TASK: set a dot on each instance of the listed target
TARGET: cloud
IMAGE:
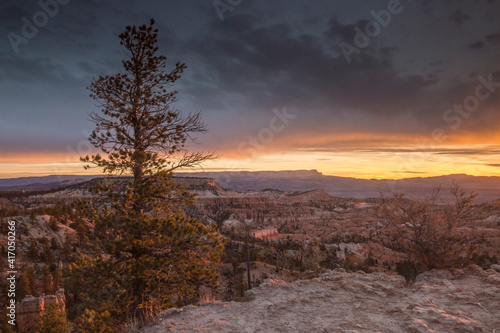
(476, 45)
(37, 70)
(410, 172)
(342, 32)
(270, 65)
(260, 58)
(458, 17)
(470, 152)
(12, 13)
(493, 38)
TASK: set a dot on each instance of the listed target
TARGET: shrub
(355, 263)
(52, 321)
(53, 225)
(430, 233)
(92, 321)
(407, 269)
(484, 260)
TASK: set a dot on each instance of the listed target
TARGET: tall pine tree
(149, 253)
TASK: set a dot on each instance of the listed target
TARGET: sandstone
(32, 307)
(352, 302)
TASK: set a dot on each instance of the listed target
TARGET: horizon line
(250, 171)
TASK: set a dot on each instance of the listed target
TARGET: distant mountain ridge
(43, 182)
(488, 188)
(299, 180)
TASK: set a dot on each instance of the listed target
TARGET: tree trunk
(248, 263)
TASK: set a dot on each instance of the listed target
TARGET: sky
(365, 89)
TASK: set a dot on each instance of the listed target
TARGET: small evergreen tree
(82, 230)
(92, 321)
(53, 225)
(25, 287)
(48, 280)
(153, 253)
(67, 247)
(31, 279)
(33, 251)
(47, 254)
(51, 321)
(53, 244)
(58, 274)
(76, 278)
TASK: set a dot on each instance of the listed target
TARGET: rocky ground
(439, 301)
(337, 301)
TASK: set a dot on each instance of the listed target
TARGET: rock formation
(31, 307)
(266, 233)
(465, 301)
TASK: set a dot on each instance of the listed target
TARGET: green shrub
(92, 321)
(407, 269)
(52, 321)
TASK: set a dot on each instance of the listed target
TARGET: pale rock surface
(32, 307)
(462, 301)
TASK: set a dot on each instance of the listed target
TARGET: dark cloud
(458, 17)
(477, 45)
(12, 13)
(39, 70)
(267, 55)
(342, 32)
(493, 38)
(274, 66)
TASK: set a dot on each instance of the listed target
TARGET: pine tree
(53, 224)
(67, 248)
(47, 254)
(92, 321)
(154, 253)
(53, 244)
(33, 251)
(24, 286)
(76, 278)
(48, 280)
(57, 279)
(31, 277)
(82, 231)
(52, 321)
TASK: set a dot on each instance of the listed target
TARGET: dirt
(439, 301)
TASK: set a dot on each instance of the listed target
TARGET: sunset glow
(304, 89)
(390, 163)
